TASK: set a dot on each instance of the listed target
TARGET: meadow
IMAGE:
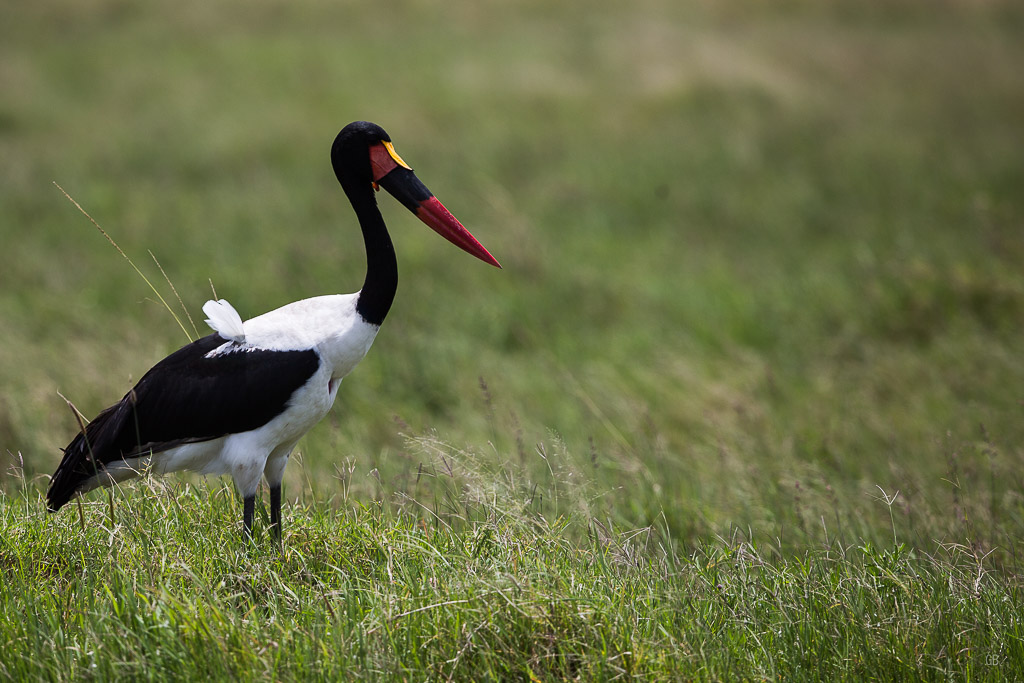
(746, 401)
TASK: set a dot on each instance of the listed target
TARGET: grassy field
(746, 401)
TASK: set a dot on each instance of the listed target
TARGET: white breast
(329, 324)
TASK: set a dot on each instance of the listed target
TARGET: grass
(744, 403)
(476, 578)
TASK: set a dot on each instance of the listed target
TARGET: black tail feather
(87, 453)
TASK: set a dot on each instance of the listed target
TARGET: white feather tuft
(225, 320)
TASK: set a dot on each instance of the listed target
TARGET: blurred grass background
(760, 259)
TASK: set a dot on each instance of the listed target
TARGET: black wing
(186, 397)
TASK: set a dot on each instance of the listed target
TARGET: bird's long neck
(381, 282)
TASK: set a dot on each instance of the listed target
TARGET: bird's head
(363, 157)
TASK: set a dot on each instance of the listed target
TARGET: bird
(238, 400)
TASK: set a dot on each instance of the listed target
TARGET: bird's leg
(275, 512)
(248, 508)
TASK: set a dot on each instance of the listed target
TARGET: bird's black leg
(275, 512)
(248, 508)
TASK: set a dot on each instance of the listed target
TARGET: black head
(350, 153)
(364, 159)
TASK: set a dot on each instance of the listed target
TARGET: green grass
(476, 576)
(745, 402)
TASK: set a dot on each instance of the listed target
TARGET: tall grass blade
(127, 258)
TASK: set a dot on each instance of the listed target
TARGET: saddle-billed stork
(238, 400)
